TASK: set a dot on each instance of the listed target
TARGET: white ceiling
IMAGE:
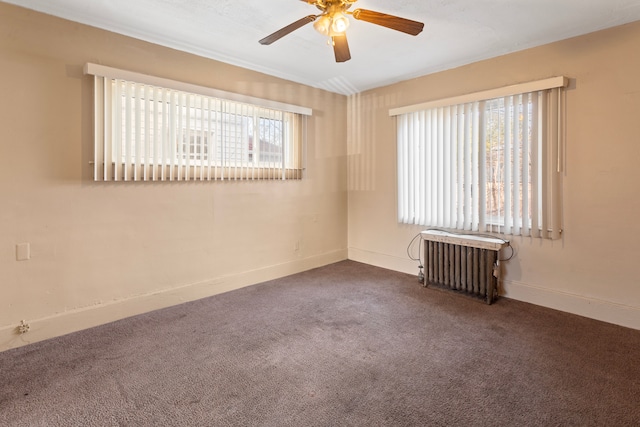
(457, 32)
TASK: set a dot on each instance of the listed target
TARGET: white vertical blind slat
(517, 164)
(480, 167)
(468, 169)
(404, 160)
(164, 134)
(99, 162)
(439, 167)
(433, 170)
(508, 147)
(173, 135)
(526, 170)
(244, 147)
(210, 137)
(255, 144)
(188, 139)
(264, 136)
(557, 188)
(544, 174)
(446, 173)
(429, 166)
(224, 135)
(179, 141)
(217, 126)
(494, 156)
(108, 128)
(155, 164)
(146, 164)
(410, 177)
(272, 142)
(402, 170)
(461, 162)
(233, 165)
(231, 142)
(117, 131)
(137, 143)
(128, 132)
(535, 165)
(283, 132)
(301, 123)
(554, 164)
(421, 172)
(294, 129)
(418, 176)
(419, 121)
(203, 122)
(453, 214)
(502, 139)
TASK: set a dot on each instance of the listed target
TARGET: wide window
(149, 129)
(486, 162)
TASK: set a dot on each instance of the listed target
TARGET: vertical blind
(144, 132)
(487, 165)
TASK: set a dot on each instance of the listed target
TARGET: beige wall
(593, 270)
(102, 251)
(105, 251)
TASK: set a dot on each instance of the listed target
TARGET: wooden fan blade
(341, 48)
(394, 22)
(288, 29)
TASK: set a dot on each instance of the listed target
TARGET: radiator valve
(420, 274)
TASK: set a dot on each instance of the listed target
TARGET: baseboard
(606, 311)
(86, 317)
(390, 262)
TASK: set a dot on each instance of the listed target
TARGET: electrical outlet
(24, 327)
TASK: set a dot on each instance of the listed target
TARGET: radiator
(463, 263)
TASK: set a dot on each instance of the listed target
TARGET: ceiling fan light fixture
(340, 23)
(323, 25)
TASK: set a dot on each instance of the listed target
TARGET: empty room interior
(261, 251)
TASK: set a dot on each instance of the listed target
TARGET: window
(487, 162)
(149, 129)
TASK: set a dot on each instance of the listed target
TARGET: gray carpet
(343, 345)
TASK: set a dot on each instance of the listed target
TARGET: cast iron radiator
(464, 263)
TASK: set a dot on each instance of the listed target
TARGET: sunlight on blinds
(486, 165)
(150, 133)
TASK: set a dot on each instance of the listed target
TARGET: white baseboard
(390, 262)
(606, 311)
(86, 317)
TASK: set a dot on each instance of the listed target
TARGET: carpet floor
(343, 345)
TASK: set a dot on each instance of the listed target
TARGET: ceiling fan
(333, 22)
